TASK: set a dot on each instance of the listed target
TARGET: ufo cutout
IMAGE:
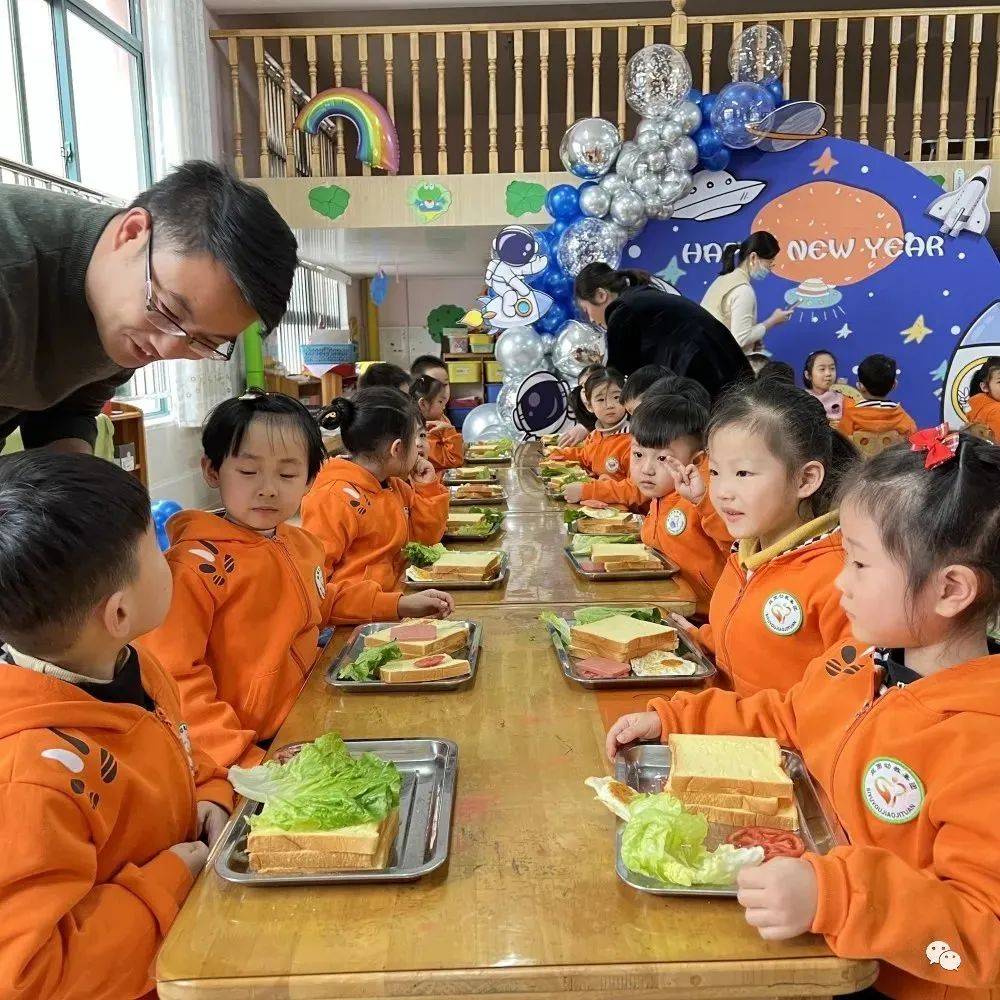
(813, 293)
(715, 194)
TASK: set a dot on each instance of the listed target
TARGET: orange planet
(832, 231)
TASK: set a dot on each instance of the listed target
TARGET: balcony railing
(14, 172)
(920, 83)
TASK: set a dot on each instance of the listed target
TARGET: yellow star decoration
(916, 332)
(825, 163)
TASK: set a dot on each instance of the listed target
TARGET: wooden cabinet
(130, 440)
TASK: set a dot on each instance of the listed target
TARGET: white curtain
(197, 386)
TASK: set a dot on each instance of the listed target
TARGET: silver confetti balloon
(587, 241)
(589, 148)
(657, 79)
(657, 160)
(627, 209)
(670, 131)
(577, 345)
(757, 55)
(688, 116)
(683, 154)
(520, 351)
(595, 201)
(613, 183)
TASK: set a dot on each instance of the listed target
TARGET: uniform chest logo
(782, 613)
(892, 792)
(675, 522)
(320, 583)
(612, 464)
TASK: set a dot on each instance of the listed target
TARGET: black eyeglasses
(164, 321)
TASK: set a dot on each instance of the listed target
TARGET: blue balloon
(708, 141)
(695, 96)
(563, 202)
(560, 287)
(557, 229)
(553, 318)
(777, 91)
(738, 107)
(706, 104)
(718, 160)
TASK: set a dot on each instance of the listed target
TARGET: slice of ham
(412, 633)
(594, 667)
(595, 504)
(591, 567)
(430, 661)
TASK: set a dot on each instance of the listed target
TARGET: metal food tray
(645, 767)
(426, 798)
(451, 536)
(355, 647)
(496, 581)
(633, 527)
(687, 647)
(499, 460)
(451, 479)
(476, 501)
(669, 569)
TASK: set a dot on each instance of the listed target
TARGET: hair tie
(940, 443)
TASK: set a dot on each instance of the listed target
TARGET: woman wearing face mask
(649, 326)
(731, 298)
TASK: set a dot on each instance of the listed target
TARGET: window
(149, 390)
(71, 87)
(317, 299)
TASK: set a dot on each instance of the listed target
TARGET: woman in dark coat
(646, 325)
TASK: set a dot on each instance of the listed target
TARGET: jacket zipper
(302, 595)
(186, 760)
(866, 709)
(744, 587)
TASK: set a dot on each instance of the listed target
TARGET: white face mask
(757, 270)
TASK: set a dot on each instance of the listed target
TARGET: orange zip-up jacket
(617, 492)
(984, 409)
(773, 611)
(912, 774)
(240, 637)
(364, 525)
(445, 448)
(877, 416)
(604, 452)
(93, 795)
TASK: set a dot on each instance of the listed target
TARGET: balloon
(520, 350)
(589, 147)
(627, 209)
(560, 287)
(577, 345)
(708, 141)
(557, 229)
(757, 54)
(617, 233)
(657, 79)
(777, 91)
(706, 104)
(718, 160)
(648, 140)
(587, 241)
(647, 187)
(562, 202)
(656, 160)
(739, 106)
(670, 131)
(478, 421)
(688, 116)
(507, 399)
(674, 184)
(612, 183)
(162, 511)
(554, 317)
(695, 95)
(647, 125)
(663, 212)
(683, 154)
(627, 159)
(595, 199)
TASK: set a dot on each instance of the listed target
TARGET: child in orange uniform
(364, 510)
(445, 448)
(901, 736)
(877, 414)
(775, 464)
(984, 397)
(606, 449)
(107, 808)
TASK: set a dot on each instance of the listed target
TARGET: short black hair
(780, 371)
(601, 378)
(426, 387)
(983, 374)
(372, 419)
(877, 373)
(425, 363)
(660, 420)
(70, 528)
(228, 423)
(587, 372)
(641, 379)
(680, 385)
(201, 208)
(384, 373)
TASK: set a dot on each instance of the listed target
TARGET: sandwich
(458, 521)
(549, 440)
(556, 484)
(323, 810)
(477, 491)
(475, 567)
(606, 521)
(472, 473)
(614, 557)
(476, 522)
(621, 638)
(417, 637)
(549, 468)
(437, 667)
(735, 780)
(490, 449)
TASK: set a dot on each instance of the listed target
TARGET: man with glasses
(87, 295)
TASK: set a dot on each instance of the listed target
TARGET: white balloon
(478, 422)
(657, 79)
(519, 350)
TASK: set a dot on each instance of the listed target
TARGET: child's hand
(679, 621)
(426, 604)
(574, 436)
(211, 820)
(423, 472)
(780, 897)
(573, 492)
(437, 425)
(194, 854)
(687, 480)
(629, 728)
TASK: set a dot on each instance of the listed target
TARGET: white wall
(174, 457)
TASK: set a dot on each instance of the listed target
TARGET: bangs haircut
(660, 420)
(642, 379)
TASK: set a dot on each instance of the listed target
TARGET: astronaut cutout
(512, 302)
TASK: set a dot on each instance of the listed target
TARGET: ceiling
(426, 251)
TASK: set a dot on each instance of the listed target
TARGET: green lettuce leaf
(322, 788)
(587, 616)
(582, 545)
(492, 518)
(423, 555)
(559, 625)
(571, 514)
(365, 667)
(663, 841)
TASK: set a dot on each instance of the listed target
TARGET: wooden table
(525, 491)
(528, 907)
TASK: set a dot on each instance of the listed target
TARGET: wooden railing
(921, 83)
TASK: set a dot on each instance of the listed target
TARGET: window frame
(130, 40)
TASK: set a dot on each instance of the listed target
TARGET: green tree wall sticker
(524, 197)
(441, 318)
(331, 201)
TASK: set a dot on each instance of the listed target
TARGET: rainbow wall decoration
(378, 143)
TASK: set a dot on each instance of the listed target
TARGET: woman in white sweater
(731, 298)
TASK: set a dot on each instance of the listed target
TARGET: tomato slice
(430, 661)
